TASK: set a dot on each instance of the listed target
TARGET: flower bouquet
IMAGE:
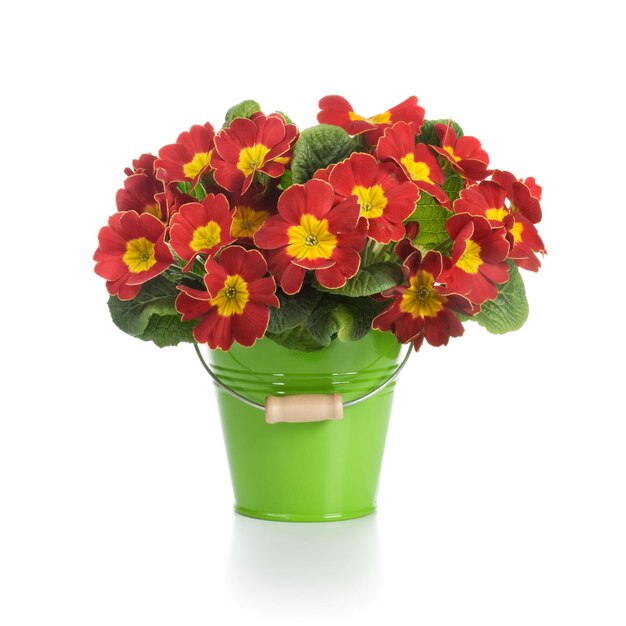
(346, 239)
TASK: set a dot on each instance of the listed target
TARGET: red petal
(433, 263)
(215, 330)
(228, 176)
(342, 178)
(456, 224)
(243, 131)
(383, 231)
(215, 276)
(249, 264)
(496, 272)
(436, 331)
(263, 291)
(313, 264)
(407, 327)
(387, 319)
(315, 197)
(273, 131)
(228, 147)
(273, 169)
(468, 147)
(344, 216)
(348, 261)
(272, 234)
(292, 279)
(354, 238)
(190, 308)
(251, 325)
(123, 292)
(331, 278)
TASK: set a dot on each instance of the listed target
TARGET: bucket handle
(272, 415)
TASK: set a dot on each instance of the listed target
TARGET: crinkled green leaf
(247, 108)
(286, 180)
(321, 324)
(432, 218)
(168, 330)
(369, 280)
(428, 134)
(333, 317)
(318, 147)
(298, 338)
(347, 319)
(355, 320)
(509, 311)
(453, 186)
(152, 316)
(293, 309)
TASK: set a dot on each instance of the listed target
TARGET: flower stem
(376, 252)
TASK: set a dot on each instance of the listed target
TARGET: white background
(503, 492)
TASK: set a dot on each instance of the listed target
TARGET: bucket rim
(257, 405)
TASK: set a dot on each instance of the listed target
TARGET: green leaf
(509, 310)
(321, 324)
(453, 186)
(168, 330)
(347, 319)
(293, 309)
(198, 193)
(429, 135)
(286, 180)
(432, 218)
(298, 338)
(318, 147)
(152, 316)
(368, 281)
(355, 320)
(247, 108)
(333, 317)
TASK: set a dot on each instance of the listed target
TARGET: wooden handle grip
(304, 408)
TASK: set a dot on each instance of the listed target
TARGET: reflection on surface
(278, 564)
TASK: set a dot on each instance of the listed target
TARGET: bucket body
(315, 471)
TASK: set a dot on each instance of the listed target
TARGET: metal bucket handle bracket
(301, 408)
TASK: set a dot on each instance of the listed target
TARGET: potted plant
(304, 260)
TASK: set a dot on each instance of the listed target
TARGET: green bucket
(315, 471)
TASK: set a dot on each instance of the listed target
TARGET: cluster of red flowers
(219, 208)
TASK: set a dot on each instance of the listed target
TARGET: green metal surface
(311, 472)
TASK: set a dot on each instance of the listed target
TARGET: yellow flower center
(470, 260)
(496, 214)
(517, 230)
(421, 298)
(246, 221)
(372, 200)
(153, 209)
(450, 151)
(232, 298)
(417, 170)
(139, 255)
(380, 118)
(205, 237)
(311, 239)
(252, 158)
(197, 164)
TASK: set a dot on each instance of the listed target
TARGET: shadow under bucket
(313, 471)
